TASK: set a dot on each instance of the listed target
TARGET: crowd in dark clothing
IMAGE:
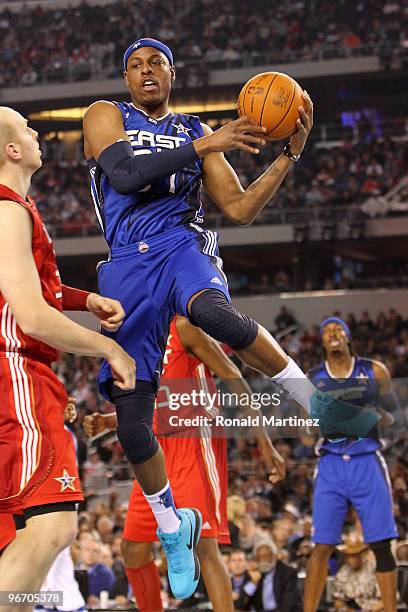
(40, 44)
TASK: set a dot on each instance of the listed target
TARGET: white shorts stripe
(22, 397)
(385, 469)
(208, 451)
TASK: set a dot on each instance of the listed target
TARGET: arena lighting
(74, 114)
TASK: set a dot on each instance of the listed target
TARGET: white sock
(296, 384)
(164, 509)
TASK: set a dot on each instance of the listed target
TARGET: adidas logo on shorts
(216, 280)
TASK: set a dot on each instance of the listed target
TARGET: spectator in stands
(94, 469)
(249, 534)
(302, 556)
(283, 33)
(235, 512)
(284, 319)
(272, 584)
(282, 530)
(237, 567)
(100, 576)
(355, 583)
(105, 529)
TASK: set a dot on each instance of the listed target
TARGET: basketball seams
(266, 97)
(243, 99)
(287, 110)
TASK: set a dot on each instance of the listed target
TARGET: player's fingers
(125, 386)
(304, 118)
(111, 327)
(251, 139)
(245, 120)
(253, 127)
(307, 100)
(247, 148)
(106, 305)
(117, 312)
(300, 127)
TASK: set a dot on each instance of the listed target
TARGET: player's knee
(136, 554)
(214, 315)
(52, 531)
(135, 421)
(385, 561)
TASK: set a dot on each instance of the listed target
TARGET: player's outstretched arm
(21, 287)
(208, 351)
(107, 142)
(222, 184)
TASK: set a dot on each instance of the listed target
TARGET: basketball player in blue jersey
(147, 166)
(352, 471)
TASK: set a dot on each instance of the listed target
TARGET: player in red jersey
(196, 466)
(7, 522)
(38, 474)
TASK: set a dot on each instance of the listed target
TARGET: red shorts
(197, 471)
(37, 454)
(7, 530)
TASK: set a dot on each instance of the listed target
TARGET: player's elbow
(30, 325)
(126, 184)
(240, 217)
(32, 322)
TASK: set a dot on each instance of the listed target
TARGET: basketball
(272, 99)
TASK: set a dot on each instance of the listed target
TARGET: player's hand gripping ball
(272, 100)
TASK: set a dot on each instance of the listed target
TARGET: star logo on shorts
(181, 129)
(66, 481)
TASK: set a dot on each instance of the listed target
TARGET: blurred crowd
(336, 176)
(39, 44)
(324, 178)
(270, 526)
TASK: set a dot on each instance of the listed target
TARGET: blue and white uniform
(160, 253)
(351, 472)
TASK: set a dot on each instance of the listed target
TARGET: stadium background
(333, 240)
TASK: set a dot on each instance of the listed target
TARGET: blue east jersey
(351, 472)
(160, 253)
(360, 388)
(166, 203)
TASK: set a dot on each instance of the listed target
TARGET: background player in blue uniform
(352, 471)
(147, 165)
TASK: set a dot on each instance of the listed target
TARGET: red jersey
(12, 339)
(178, 364)
(182, 374)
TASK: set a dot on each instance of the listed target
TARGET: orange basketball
(272, 99)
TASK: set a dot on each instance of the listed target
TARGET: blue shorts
(155, 279)
(361, 481)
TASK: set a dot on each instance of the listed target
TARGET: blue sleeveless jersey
(359, 388)
(165, 204)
